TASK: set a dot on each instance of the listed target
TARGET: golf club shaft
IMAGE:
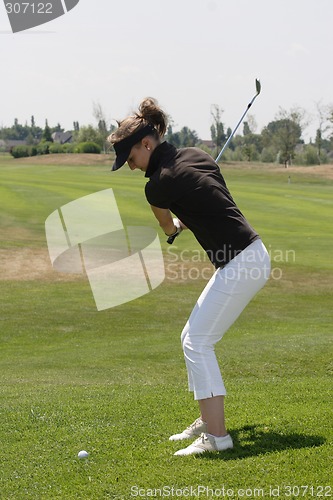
(258, 87)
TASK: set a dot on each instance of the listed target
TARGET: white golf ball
(82, 454)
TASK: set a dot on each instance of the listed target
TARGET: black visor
(123, 148)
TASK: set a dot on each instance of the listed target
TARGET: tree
(173, 138)
(249, 144)
(246, 129)
(252, 146)
(217, 128)
(330, 118)
(183, 139)
(89, 134)
(30, 139)
(18, 131)
(188, 137)
(57, 128)
(330, 115)
(323, 114)
(319, 144)
(46, 135)
(285, 133)
(250, 126)
(104, 129)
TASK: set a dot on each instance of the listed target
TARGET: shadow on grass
(254, 440)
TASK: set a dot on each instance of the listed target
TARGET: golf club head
(258, 89)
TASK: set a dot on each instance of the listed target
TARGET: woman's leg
(212, 412)
(222, 301)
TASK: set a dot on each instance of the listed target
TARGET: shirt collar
(159, 157)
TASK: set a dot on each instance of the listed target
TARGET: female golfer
(187, 183)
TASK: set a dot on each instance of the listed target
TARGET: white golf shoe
(207, 442)
(192, 430)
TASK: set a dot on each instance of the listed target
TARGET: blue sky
(189, 54)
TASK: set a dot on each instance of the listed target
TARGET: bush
(88, 147)
(234, 155)
(43, 148)
(268, 155)
(309, 156)
(55, 148)
(68, 148)
(90, 134)
(249, 151)
(20, 151)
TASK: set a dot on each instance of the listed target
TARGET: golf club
(258, 88)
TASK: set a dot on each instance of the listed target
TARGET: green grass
(114, 382)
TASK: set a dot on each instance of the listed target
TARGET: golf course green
(114, 382)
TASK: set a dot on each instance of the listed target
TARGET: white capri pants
(225, 296)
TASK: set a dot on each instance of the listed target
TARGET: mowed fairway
(114, 382)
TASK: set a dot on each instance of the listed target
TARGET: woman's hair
(149, 112)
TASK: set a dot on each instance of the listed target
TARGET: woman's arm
(165, 220)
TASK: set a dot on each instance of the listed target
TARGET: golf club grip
(171, 238)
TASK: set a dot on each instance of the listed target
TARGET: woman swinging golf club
(187, 183)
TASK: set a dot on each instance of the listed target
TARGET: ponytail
(149, 112)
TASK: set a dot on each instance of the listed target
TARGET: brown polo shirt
(189, 183)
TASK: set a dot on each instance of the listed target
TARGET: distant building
(62, 137)
(8, 144)
(209, 144)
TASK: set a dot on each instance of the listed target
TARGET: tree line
(280, 141)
